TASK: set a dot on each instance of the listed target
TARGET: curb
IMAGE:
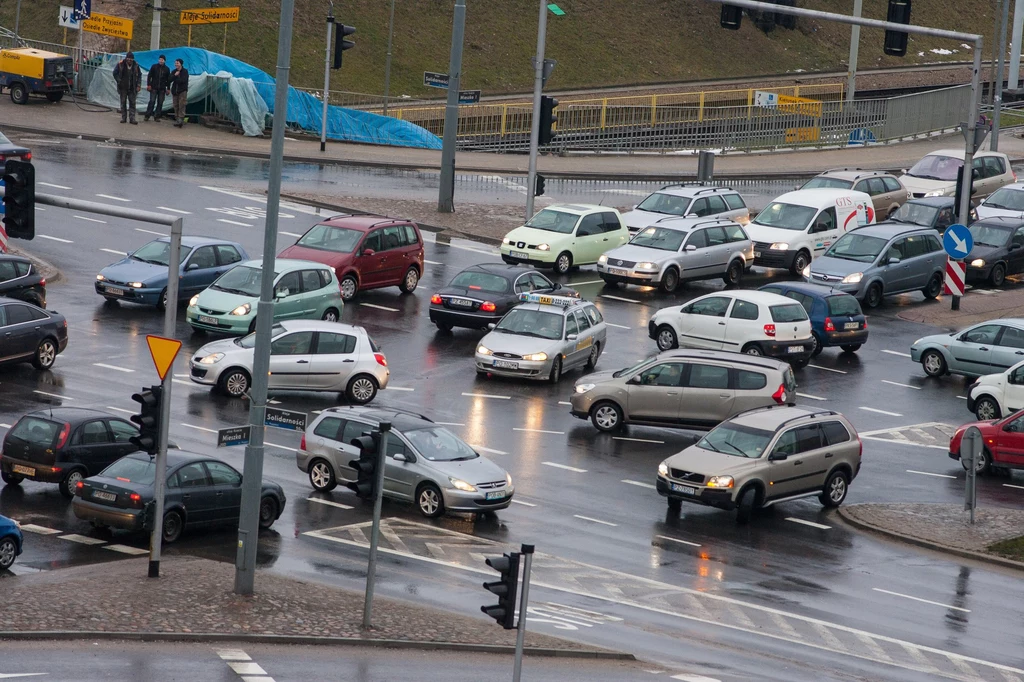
(51, 273)
(68, 635)
(928, 544)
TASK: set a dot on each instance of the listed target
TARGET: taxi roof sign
(544, 299)
(163, 352)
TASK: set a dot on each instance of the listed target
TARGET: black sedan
(482, 294)
(19, 279)
(9, 150)
(30, 334)
(998, 250)
(201, 491)
(935, 212)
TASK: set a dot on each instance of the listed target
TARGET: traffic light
(896, 41)
(20, 199)
(539, 190)
(547, 119)
(505, 610)
(365, 485)
(732, 16)
(148, 419)
(340, 44)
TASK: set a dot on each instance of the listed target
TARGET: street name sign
(233, 435)
(285, 419)
(108, 25)
(209, 15)
(432, 79)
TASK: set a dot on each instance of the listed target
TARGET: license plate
(851, 325)
(519, 254)
(618, 271)
(114, 291)
(795, 349)
(505, 364)
(461, 302)
(684, 489)
(100, 495)
(496, 495)
(27, 471)
(205, 319)
(757, 254)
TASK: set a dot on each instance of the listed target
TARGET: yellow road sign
(108, 25)
(163, 351)
(209, 15)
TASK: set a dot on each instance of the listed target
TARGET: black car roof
(175, 457)
(934, 201)
(505, 269)
(12, 257)
(72, 415)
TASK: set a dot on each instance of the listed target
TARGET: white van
(800, 225)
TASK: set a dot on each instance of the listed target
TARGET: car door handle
(722, 323)
(798, 462)
(671, 393)
(1020, 352)
(302, 362)
(348, 360)
(983, 348)
(220, 493)
(828, 454)
(186, 496)
(723, 396)
(605, 239)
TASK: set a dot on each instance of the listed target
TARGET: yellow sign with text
(800, 105)
(108, 25)
(209, 15)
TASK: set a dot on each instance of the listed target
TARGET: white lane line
(525, 504)
(174, 210)
(564, 402)
(896, 352)
(962, 397)
(905, 442)
(812, 524)
(91, 220)
(432, 262)
(113, 367)
(125, 549)
(617, 326)
(603, 523)
(198, 428)
(5, 426)
(638, 440)
(640, 484)
(682, 542)
(289, 234)
(686, 677)
(592, 281)
(115, 252)
(53, 395)
(487, 450)
(400, 388)
(113, 198)
(50, 184)
(380, 307)
(120, 409)
(159, 234)
(621, 298)
(233, 655)
(41, 530)
(233, 222)
(928, 473)
(827, 369)
(871, 409)
(183, 375)
(39, 209)
(1005, 485)
(553, 433)
(283, 447)
(488, 395)
(564, 466)
(246, 668)
(55, 239)
(896, 383)
(339, 505)
(81, 539)
(186, 383)
(809, 396)
(923, 601)
(450, 423)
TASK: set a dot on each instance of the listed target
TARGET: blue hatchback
(141, 277)
(836, 317)
(10, 542)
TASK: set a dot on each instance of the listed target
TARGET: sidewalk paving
(974, 307)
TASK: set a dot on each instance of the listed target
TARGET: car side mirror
(192, 266)
(893, 261)
(491, 326)
(1014, 247)
(557, 286)
(635, 380)
(634, 207)
(401, 457)
(571, 337)
(281, 293)
(368, 252)
(690, 247)
(777, 457)
(691, 215)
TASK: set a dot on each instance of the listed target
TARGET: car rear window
(481, 281)
(843, 305)
(835, 433)
(788, 313)
(131, 470)
(735, 201)
(825, 182)
(36, 430)
(750, 381)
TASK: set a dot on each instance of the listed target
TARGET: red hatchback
(1003, 441)
(366, 252)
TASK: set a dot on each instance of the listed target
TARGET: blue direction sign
(957, 241)
(285, 419)
(435, 80)
(83, 9)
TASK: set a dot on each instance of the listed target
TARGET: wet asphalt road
(775, 598)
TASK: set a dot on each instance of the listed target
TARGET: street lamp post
(327, 78)
(446, 187)
(387, 61)
(538, 86)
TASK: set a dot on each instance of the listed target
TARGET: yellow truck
(26, 71)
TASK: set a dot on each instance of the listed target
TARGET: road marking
(621, 298)
(896, 383)
(55, 239)
(380, 307)
(904, 442)
(617, 326)
(686, 677)
(896, 352)
(81, 539)
(638, 440)
(115, 252)
(923, 601)
(233, 655)
(564, 402)
(246, 668)
(640, 484)
(592, 281)
(587, 518)
(113, 367)
(682, 542)
(186, 383)
(1005, 485)
(113, 198)
(41, 530)
(809, 396)
(53, 395)
(450, 423)
(159, 234)
(400, 388)
(525, 504)
(174, 210)
(827, 369)
(871, 409)
(488, 395)
(125, 549)
(432, 262)
(812, 524)
(233, 222)
(198, 428)
(564, 466)
(928, 473)
(290, 234)
(120, 409)
(5, 426)
(962, 397)
(283, 447)
(487, 450)
(339, 505)
(553, 433)
(50, 184)
(91, 220)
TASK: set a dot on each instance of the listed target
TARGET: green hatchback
(303, 290)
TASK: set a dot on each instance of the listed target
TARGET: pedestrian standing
(128, 77)
(158, 83)
(179, 91)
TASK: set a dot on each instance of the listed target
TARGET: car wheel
(8, 550)
(349, 287)
(611, 282)
(330, 315)
(670, 280)
(675, 505)
(196, 331)
(752, 349)
(443, 326)
(595, 351)
(361, 389)
(982, 466)
(933, 363)
(986, 408)
(606, 416)
(11, 479)
(46, 354)
(268, 512)
(873, 298)
(19, 94)
(802, 260)
(111, 301)
(173, 526)
(817, 346)
(69, 484)
(666, 338)
(799, 364)
(55, 96)
(850, 347)
(321, 476)
(429, 501)
(563, 263)
(998, 275)
(410, 281)
(733, 274)
(556, 370)
(234, 382)
(745, 505)
(834, 492)
(161, 303)
(934, 287)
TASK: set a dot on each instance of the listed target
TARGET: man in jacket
(179, 91)
(158, 83)
(128, 77)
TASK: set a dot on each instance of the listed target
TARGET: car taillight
(436, 299)
(860, 446)
(42, 282)
(79, 485)
(63, 437)
(135, 497)
(829, 327)
(27, 156)
(381, 360)
(769, 330)
(488, 307)
(780, 395)
(302, 443)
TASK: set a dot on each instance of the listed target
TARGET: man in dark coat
(128, 77)
(179, 91)
(158, 83)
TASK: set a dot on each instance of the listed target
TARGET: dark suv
(19, 279)
(366, 252)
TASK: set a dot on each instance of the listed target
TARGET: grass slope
(598, 42)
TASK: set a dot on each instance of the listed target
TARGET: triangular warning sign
(163, 352)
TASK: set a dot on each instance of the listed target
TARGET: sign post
(970, 452)
(163, 350)
(958, 243)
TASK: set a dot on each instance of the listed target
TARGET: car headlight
(510, 241)
(602, 259)
(663, 469)
(135, 285)
(241, 310)
(779, 246)
(194, 301)
(543, 247)
(101, 278)
(978, 263)
(720, 482)
(583, 388)
(647, 266)
(806, 272)
(918, 341)
(462, 485)
(211, 359)
(536, 357)
(935, 193)
(484, 350)
(853, 278)
(508, 479)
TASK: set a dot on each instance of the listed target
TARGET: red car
(366, 252)
(1003, 443)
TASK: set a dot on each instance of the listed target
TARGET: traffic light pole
(327, 79)
(446, 186)
(371, 569)
(524, 603)
(538, 86)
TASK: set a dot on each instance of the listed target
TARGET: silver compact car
(985, 348)
(305, 355)
(426, 464)
(543, 338)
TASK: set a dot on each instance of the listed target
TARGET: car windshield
(990, 235)
(554, 221)
(630, 370)
(438, 444)
(825, 182)
(669, 204)
(132, 470)
(659, 238)
(736, 440)
(915, 214)
(480, 281)
(857, 247)
(537, 323)
(1004, 198)
(249, 340)
(793, 312)
(328, 238)
(936, 167)
(785, 216)
(241, 279)
(5, 140)
(35, 430)
(159, 253)
(843, 304)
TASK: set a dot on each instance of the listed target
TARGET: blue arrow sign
(957, 241)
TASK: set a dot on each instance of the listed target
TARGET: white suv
(752, 322)
(997, 395)
(690, 201)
